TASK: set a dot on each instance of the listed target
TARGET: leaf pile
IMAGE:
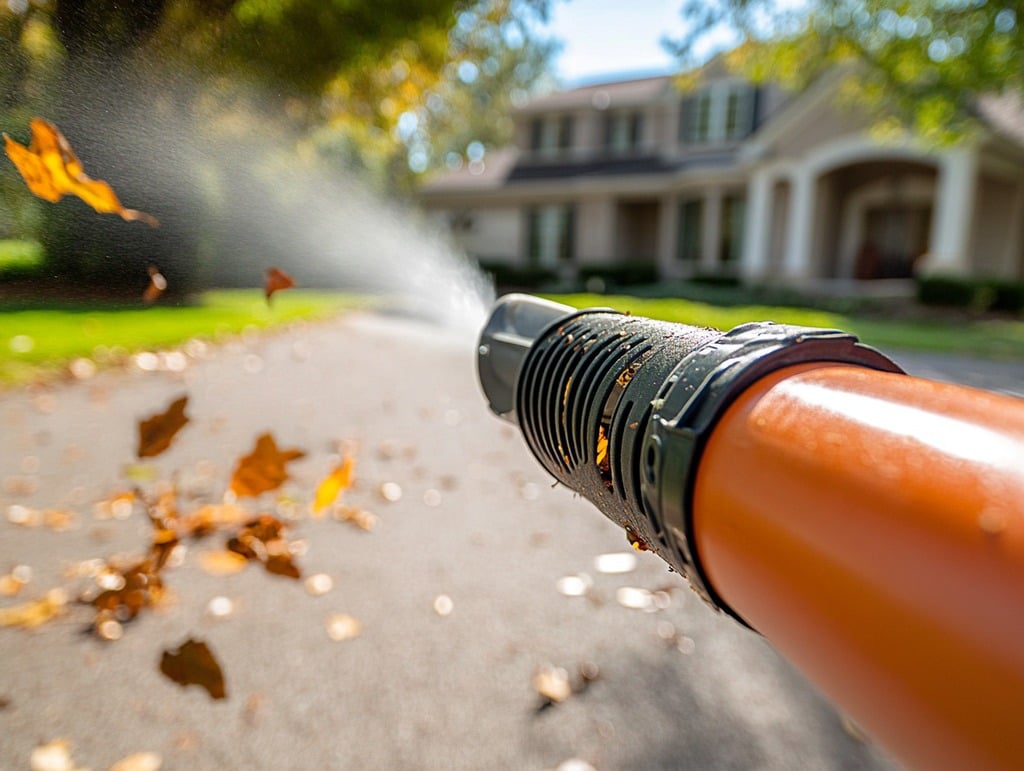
(122, 590)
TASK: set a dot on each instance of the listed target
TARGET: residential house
(733, 179)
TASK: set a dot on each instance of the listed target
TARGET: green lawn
(987, 338)
(36, 341)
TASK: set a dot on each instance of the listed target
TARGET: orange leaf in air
(194, 664)
(263, 469)
(51, 170)
(157, 285)
(334, 484)
(276, 281)
(157, 431)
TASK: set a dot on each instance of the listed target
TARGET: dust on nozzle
(515, 322)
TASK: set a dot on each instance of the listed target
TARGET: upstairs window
(720, 112)
(551, 135)
(624, 132)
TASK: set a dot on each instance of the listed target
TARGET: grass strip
(39, 341)
(986, 338)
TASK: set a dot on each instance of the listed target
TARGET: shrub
(980, 294)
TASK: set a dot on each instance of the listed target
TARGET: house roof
(624, 93)
(1004, 114)
(492, 174)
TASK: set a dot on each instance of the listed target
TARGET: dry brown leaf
(156, 287)
(158, 431)
(263, 469)
(51, 170)
(131, 589)
(333, 485)
(194, 664)
(262, 540)
(222, 563)
(276, 281)
(35, 613)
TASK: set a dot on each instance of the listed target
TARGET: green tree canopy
(923, 62)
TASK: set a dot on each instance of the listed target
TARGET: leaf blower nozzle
(869, 524)
(617, 407)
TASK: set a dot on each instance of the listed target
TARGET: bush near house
(619, 275)
(979, 294)
(20, 259)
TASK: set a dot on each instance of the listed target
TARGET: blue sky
(612, 37)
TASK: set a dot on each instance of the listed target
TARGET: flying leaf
(335, 483)
(194, 664)
(157, 431)
(263, 469)
(157, 285)
(276, 281)
(30, 615)
(51, 170)
(262, 540)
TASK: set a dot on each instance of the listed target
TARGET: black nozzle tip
(515, 322)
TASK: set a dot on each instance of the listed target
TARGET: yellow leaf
(333, 485)
(30, 615)
(222, 563)
(51, 170)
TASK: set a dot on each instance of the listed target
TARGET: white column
(668, 233)
(758, 227)
(712, 231)
(800, 228)
(949, 240)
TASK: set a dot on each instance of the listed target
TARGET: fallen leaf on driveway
(262, 540)
(222, 563)
(263, 469)
(194, 664)
(140, 761)
(158, 431)
(333, 485)
(35, 613)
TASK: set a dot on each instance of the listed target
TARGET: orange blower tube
(877, 541)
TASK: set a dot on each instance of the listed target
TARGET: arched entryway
(877, 218)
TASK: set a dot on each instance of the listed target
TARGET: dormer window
(719, 112)
(624, 132)
(551, 134)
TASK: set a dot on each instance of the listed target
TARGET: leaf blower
(869, 524)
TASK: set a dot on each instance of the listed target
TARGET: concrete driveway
(468, 514)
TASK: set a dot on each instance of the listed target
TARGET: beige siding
(595, 231)
(826, 124)
(492, 235)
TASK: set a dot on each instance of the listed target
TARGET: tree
(133, 73)
(921, 63)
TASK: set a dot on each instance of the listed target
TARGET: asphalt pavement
(462, 511)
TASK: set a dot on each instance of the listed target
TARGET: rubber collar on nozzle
(516, 321)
